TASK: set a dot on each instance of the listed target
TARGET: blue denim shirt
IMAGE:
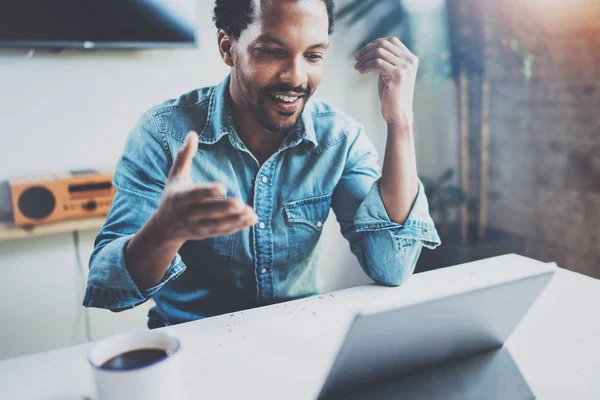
(326, 163)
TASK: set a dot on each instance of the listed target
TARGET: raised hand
(196, 211)
(397, 68)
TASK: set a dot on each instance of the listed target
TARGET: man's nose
(295, 73)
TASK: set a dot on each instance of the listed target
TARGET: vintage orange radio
(56, 197)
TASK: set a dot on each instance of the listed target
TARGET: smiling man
(230, 217)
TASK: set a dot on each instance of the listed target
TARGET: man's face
(278, 60)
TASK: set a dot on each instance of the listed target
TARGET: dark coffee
(135, 359)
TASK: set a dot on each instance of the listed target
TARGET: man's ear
(225, 47)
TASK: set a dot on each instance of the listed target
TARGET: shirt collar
(219, 121)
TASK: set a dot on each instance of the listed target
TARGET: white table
(284, 351)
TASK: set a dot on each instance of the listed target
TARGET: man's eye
(272, 52)
(314, 56)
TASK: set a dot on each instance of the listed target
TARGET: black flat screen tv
(89, 24)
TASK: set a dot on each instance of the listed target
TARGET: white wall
(73, 110)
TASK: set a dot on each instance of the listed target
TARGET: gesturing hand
(397, 68)
(193, 211)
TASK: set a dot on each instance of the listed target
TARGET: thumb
(182, 166)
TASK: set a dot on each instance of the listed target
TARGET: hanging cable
(84, 310)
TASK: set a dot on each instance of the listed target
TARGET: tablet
(386, 344)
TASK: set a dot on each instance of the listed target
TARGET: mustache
(288, 88)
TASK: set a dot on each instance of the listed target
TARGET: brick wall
(545, 146)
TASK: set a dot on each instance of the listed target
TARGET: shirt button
(261, 225)
(319, 224)
(263, 271)
(264, 179)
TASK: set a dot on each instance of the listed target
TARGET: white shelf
(10, 231)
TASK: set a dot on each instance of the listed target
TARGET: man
(229, 218)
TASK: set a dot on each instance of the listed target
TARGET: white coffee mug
(159, 380)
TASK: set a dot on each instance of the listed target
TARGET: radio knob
(90, 205)
(37, 202)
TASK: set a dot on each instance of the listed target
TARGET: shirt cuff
(372, 216)
(111, 286)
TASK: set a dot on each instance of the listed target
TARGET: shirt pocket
(305, 219)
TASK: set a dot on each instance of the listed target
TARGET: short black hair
(233, 16)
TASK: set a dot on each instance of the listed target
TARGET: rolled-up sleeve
(139, 180)
(387, 251)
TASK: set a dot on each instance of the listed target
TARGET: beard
(261, 108)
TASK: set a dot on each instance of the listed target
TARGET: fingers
(377, 65)
(388, 57)
(199, 192)
(392, 44)
(390, 52)
(223, 226)
(182, 166)
(383, 44)
(216, 208)
(378, 53)
(232, 224)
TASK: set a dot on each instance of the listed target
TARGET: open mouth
(286, 104)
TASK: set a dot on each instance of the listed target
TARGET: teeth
(287, 99)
